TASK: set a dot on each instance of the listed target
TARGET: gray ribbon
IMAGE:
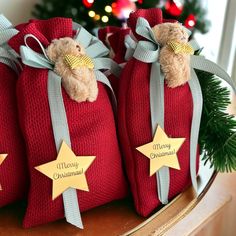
(6, 33)
(96, 50)
(195, 126)
(157, 117)
(61, 133)
(148, 52)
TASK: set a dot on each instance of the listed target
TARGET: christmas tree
(94, 13)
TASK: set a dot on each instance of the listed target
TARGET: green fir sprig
(217, 137)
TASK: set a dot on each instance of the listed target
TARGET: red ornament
(140, 1)
(88, 3)
(190, 22)
(122, 8)
(174, 7)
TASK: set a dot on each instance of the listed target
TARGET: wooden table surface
(213, 215)
(116, 218)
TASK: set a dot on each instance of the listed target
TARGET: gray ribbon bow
(96, 50)
(7, 55)
(148, 52)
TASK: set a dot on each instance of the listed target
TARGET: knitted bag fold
(134, 120)
(13, 170)
(114, 38)
(92, 132)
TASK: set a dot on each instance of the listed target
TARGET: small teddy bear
(75, 68)
(174, 54)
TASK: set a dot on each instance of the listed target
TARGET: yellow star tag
(67, 171)
(162, 151)
(2, 158)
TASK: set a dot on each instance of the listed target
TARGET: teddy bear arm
(76, 89)
(175, 68)
(93, 88)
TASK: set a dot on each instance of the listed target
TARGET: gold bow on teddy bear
(184, 48)
(74, 62)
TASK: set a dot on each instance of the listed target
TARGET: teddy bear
(175, 51)
(75, 68)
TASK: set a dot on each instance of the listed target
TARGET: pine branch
(217, 137)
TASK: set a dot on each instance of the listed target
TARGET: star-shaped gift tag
(2, 158)
(162, 151)
(67, 171)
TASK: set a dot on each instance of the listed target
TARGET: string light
(191, 23)
(108, 9)
(97, 17)
(91, 13)
(105, 19)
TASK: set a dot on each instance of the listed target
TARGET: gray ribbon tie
(6, 54)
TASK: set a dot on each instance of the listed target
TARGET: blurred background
(212, 22)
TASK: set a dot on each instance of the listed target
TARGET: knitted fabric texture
(114, 38)
(134, 120)
(92, 132)
(13, 171)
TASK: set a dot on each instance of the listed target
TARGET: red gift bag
(13, 169)
(114, 38)
(91, 127)
(134, 121)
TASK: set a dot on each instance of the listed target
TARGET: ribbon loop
(143, 29)
(4, 23)
(34, 59)
(130, 45)
(6, 35)
(146, 52)
(6, 54)
(6, 30)
(107, 64)
(83, 36)
(97, 49)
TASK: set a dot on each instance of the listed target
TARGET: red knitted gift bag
(134, 120)
(13, 170)
(114, 38)
(92, 131)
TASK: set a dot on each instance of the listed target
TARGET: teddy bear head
(167, 32)
(64, 46)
